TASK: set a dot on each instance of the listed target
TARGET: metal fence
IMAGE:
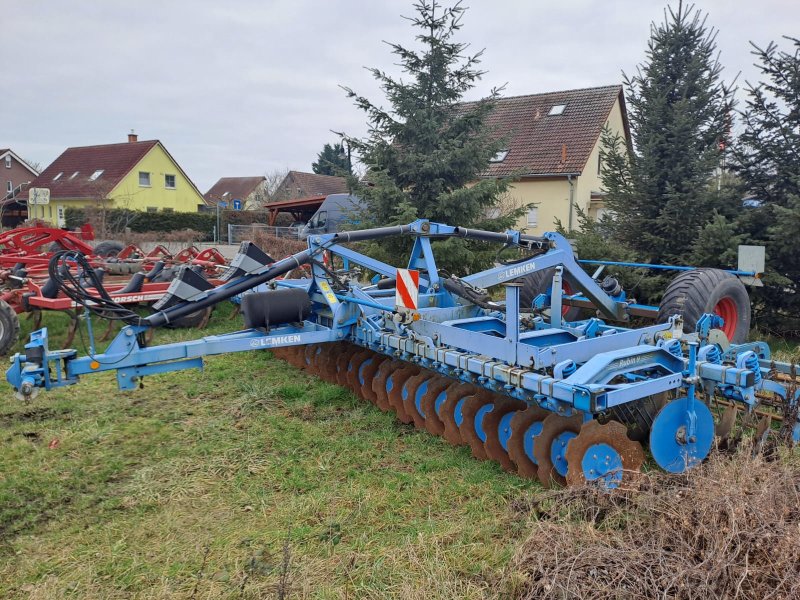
(240, 233)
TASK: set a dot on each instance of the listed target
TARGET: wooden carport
(301, 209)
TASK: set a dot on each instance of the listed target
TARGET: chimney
(132, 137)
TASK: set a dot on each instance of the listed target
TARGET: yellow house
(552, 151)
(134, 175)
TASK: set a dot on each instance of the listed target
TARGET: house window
(9, 186)
(144, 179)
(533, 216)
(96, 174)
(74, 175)
(557, 109)
(152, 209)
(57, 177)
(169, 182)
(168, 209)
(499, 157)
(8, 161)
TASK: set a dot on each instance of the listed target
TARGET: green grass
(207, 484)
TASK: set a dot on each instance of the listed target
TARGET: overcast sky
(245, 87)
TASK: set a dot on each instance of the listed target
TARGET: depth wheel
(526, 426)
(384, 382)
(414, 390)
(400, 378)
(474, 410)
(551, 447)
(498, 429)
(450, 411)
(431, 403)
(604, 454)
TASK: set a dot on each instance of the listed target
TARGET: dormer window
(96, 174)
(74, 175)
(57, 177)
(499, 157)
(557, 109)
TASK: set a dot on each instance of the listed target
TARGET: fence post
(230, 234)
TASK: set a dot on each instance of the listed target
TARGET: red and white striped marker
(407, 290)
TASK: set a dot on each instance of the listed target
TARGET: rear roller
(526, 425)
(550, 448)
(400, 378)
(474, 410)
(450, 411)
(431, 403)
(603, 453)
(497, 426)
(413, 391)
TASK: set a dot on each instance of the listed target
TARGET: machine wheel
(550, 448)
(450, 411)
(693, 293)
(198, 319)
(431, 403)
(539, 282)
(526, 425)
(497, 425)
(9, 327)
(400, 379)
(603, 454)
(108, 249)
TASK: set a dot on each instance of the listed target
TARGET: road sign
(237, 204)
(222, 204)
(39, 196)
(407, 290)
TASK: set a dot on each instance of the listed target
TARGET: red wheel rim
(726, 308)
(566, 290)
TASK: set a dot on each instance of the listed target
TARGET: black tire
(9, 327)
(108, 249)
(537, 283)
(192, 320)
(694, 293)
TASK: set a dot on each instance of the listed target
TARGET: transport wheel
(413, 391)
(367, 374)
(9, 327)
(108, 249)
(450, 411)
(603, 454)
(343, 364)
(359, 360)
(551, 446)
(474, 411)
(400, 378)
(431, 402)
(526, 425)
(384, 382)
(694, 293)
(497, 425)
(539, 282)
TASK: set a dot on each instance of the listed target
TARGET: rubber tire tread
(537, 283)
(10, 321)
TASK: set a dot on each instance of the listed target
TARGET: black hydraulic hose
(503, 238)
(371, 234)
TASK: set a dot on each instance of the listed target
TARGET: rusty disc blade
(497, 427)
(431, 401)
(359, 359)
(526, 425)
(399, 380)
(473, 411)
(550, 447)
(450, 411)
(604, 453)
(383, 378)
(415, 388)
(343, 364)
(367, 376)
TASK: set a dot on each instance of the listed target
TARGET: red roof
(297, 184)
(537, 142)
(77, 165)
(235, 188)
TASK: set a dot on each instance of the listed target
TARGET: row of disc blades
(528, 440)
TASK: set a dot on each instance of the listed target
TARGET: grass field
(247, 480)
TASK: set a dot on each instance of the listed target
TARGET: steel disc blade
(550, 447)
(327, 363)
(431, 403)
(604, 453)
(311, 357)
(415, 388)
(474, 411)
(526, 425)
(383, 382)
(450, 411)
(367, 373)
(497, 425)
(725, 425)
(400, 378)
(343, 365)
(359, 360)
(673, 446)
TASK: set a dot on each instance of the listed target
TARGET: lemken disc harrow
(564, 402)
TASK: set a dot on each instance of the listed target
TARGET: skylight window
(74, 175)
(57, 177)
(96, 174)
(557, 109)
(499, 157)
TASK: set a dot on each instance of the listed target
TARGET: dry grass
(728, 529)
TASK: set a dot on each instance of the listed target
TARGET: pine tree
(332, 160)
(424, 151)
(679, 112)
(768, 161)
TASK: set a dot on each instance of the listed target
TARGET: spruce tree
(679, 107)
(332, 160)
(426, 150)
